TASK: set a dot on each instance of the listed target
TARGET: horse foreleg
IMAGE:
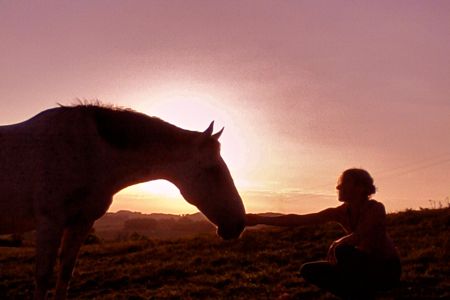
(48, 241)
(73, 238)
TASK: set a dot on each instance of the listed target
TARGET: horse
(61, 168)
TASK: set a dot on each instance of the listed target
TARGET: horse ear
(217, 135)
(208, 132)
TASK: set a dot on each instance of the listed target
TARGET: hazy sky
(305, 89)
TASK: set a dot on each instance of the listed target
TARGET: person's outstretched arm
(291, 220)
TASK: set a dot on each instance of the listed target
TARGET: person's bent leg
(325, 276)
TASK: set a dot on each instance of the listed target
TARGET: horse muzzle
(231, 231)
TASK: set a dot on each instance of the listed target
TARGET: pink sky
(305, 89)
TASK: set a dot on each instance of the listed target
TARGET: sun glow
(194, 108)
(152, 197)
(159, 188)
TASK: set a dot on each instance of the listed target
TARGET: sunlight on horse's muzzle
(231, 231)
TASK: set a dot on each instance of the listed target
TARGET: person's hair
(362, 178)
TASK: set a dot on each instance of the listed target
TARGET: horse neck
(157, 161)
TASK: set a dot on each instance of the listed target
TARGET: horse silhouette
(60, 170)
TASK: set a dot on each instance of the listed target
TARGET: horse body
(61, 169)
(45, 162)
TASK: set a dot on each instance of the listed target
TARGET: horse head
(206, 183)
(190, 160)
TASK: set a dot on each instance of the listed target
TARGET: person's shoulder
(338, 213)
(342, 208)
(376, 205)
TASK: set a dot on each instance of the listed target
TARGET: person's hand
(331, 256)
(346, 240)
(252, 219)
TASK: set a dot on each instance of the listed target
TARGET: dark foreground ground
(263, 264)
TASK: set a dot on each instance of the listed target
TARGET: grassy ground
(263, 264)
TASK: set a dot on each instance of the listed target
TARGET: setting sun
(159, 188)
(160, 194)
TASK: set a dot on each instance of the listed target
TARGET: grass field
(263, 264)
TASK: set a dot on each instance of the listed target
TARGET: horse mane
(124, 128)
(96, 103)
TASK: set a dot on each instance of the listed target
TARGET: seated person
(365, 259)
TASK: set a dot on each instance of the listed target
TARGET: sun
(160, 188)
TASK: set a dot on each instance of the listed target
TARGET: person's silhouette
(361, 262)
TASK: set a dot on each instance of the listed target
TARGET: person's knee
(311, 271)
(305, 270)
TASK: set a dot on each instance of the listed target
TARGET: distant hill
(120, 225)
(122, 215)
